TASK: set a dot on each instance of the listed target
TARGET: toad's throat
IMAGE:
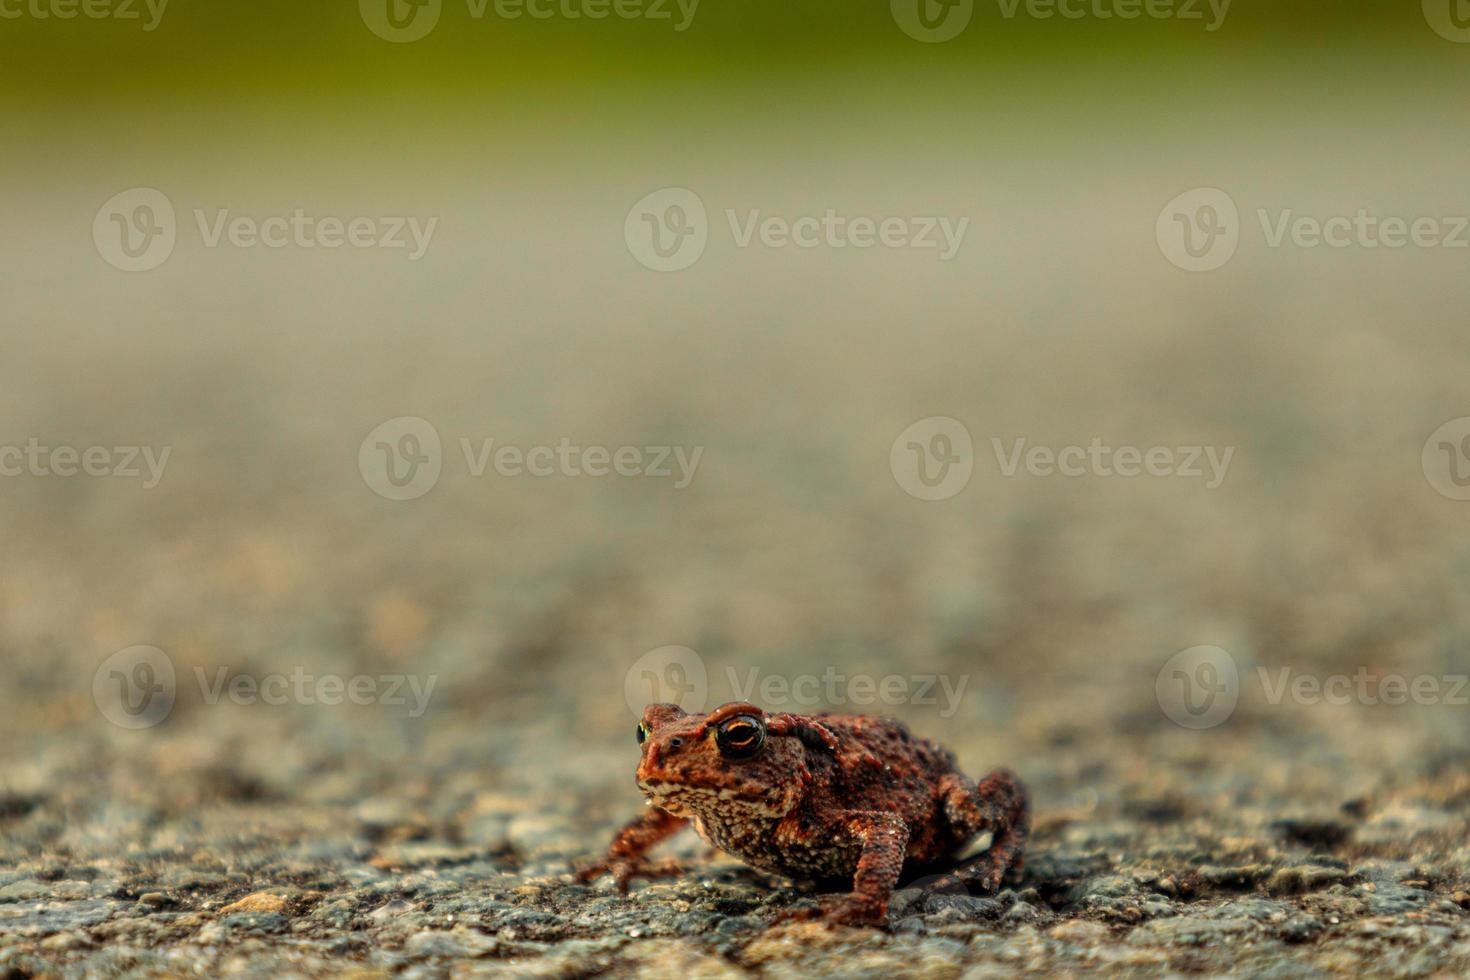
(682, 799)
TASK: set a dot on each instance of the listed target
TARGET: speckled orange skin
(827, 796)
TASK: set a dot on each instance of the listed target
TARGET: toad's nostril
(676, 743)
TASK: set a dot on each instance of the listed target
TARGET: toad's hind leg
(999, 804)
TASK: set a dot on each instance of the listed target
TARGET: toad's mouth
(683, 800)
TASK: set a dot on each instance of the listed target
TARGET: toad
(823, 797)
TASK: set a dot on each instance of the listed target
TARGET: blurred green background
(301, 53)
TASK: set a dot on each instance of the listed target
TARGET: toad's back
(905, 762)
(882, 767)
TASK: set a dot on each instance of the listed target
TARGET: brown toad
(830, 796)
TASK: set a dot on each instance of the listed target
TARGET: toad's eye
(642, 734)
(741, 737)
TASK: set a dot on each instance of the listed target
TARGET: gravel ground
(183, 861)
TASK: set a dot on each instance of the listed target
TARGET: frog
(827, 798)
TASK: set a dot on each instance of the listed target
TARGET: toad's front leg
(627, 856)
(884, 839)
